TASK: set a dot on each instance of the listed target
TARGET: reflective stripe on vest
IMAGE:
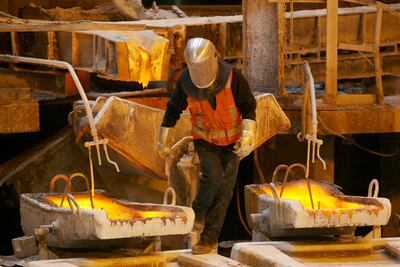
(221, 126)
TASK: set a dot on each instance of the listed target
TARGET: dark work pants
(218, 171)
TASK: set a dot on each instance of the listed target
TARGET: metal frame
(332, 46)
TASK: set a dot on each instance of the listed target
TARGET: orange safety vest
(221, 126)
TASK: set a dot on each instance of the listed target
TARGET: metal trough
(131, 128)
(112, 221)
(291, 213)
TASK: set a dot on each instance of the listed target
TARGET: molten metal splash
(323, 195)
(145, 68)
(114, 210)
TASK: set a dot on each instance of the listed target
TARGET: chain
(285, 37)
(291, 22)
(291, 30)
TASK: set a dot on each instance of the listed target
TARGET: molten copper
(145, 67)
(114, 210)
(325, 196)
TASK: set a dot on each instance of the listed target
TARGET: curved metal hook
(294, 165)
(374, 184)
(71, 199)
(55, 179)
(170, 191)
(277, 170)
(299, 165)
(79, 174)
(275, 193)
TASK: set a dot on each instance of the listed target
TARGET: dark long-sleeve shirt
(244, 100)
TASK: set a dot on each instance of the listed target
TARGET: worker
(222, 109)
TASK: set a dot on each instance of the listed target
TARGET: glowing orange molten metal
(322, 194)
(114, 210)
(145, 68)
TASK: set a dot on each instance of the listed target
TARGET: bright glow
(114, 210)
(145, 68)
(322, 194)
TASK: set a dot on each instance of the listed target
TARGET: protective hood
(202, 61)
(224, 69)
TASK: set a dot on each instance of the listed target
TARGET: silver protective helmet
(202, 61)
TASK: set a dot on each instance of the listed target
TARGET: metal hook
(277, 170)
(294, 165)
(78, 174)
(319, 155)
(55, 179)
(108, 157)
(374, 184)
(170, 191)
(275, 193)
(71, 200)
(97, 143)
(307, 180)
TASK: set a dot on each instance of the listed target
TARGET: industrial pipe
(60, 65)
(65, 65)
(314, 123)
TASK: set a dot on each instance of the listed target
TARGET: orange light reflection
(114, 210)
(145, 68)
(321, 193)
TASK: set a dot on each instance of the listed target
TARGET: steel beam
(355, 119)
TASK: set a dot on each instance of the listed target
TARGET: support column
(281, 50)
(377, 56)
(260, 45)
(331, 50)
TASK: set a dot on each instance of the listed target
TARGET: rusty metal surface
(18, 111)
(87, 49)
(132, 128)
(354, 119)
(356, 26)
(127, 55)
(286, 217)
(270, 118)
(19, 117)
(86, 227)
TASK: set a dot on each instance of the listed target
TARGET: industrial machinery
(76, 220)
(306, 207)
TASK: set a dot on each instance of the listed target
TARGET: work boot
(203, 248)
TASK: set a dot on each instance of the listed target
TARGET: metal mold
(292, 213)
(131, 128)
(78, 225)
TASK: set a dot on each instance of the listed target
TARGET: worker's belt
(216, 134)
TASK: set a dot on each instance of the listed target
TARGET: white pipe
(314, 122)
(65, 65)
(61, 65)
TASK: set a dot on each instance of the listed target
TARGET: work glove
(162, 148)
(245, 144)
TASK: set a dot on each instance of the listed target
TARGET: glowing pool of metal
(291, 212)
(111, 219)
(114, 209)
(324, 196)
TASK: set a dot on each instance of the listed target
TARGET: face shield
(201, 59)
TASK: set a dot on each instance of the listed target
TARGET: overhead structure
(332, 35)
